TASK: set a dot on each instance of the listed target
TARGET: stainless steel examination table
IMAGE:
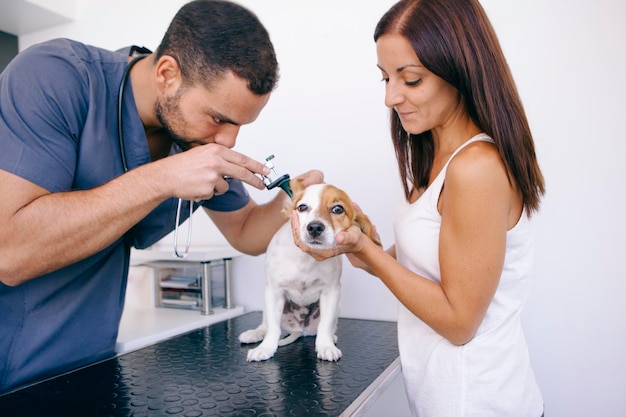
(205, 373)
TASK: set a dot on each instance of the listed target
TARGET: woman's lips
(403, 114)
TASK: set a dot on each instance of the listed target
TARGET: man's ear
(168, 75)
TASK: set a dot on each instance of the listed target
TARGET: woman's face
(422, 100)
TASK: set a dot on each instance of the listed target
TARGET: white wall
(568, 58)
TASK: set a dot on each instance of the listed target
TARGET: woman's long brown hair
(455, 40)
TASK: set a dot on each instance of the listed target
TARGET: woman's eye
(302, 207)
(385, 79)
(337, 209)
(413, 83)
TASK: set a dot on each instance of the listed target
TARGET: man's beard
(168, 111)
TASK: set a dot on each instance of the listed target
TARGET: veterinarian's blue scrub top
(58, 129)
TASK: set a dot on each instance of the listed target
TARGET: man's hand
(311, 177)
(198, 174)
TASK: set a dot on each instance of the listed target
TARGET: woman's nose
(227, 135)
(393, 94)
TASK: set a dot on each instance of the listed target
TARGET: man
(77, 194)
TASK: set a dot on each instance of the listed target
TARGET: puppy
(302, 294)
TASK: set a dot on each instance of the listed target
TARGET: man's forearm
(57, 229)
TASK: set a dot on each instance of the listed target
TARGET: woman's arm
(477, 206)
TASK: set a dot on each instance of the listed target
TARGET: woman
(462, 260)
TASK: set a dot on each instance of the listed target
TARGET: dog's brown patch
(332, 197)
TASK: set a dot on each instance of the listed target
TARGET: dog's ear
(366, 227)
(296, 187)
(296, 192)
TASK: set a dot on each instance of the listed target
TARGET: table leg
(205, 290)
(228, 296)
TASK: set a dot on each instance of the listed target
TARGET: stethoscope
(144, 52)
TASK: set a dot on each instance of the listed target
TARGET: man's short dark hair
(210, 37)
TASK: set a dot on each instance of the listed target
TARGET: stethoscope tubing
(120, 134)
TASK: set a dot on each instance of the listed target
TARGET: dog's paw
(252, 336)
(328, 352)
(261, 353)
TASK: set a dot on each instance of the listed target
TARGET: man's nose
(227, 135)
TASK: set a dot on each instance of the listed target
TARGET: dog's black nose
(315, 228)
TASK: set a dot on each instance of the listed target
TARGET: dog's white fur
(296, 282)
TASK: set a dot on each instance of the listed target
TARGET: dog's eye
(302, 207)
(337, 209)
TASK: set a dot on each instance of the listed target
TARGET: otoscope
(282, 181)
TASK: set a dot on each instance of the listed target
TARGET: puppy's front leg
(255, 335)
(274, 305)
(329, 312)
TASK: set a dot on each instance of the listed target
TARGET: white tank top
(490, 376)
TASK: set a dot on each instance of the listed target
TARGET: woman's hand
(349, 241)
